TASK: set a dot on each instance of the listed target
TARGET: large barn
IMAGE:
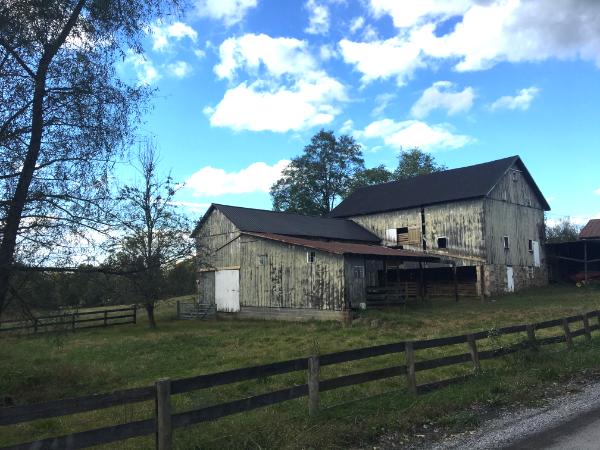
(471, 231)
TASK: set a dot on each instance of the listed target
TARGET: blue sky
(242, 85)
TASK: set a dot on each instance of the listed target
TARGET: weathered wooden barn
(268, 264)
(487, 218)
(471, 231)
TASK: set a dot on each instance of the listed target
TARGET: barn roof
(283, 223)
(348, 248)
(439, 187)
(591, 230)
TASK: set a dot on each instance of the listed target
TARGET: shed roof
(439, 187)
(264, 221)
(591, 230)
(348, 248)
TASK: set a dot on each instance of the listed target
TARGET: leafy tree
(369, 177)
(414, 162)
(563, 231)
(65, 114)
(156, 238)
(316, 180)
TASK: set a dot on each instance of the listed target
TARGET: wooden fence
(72, 321)
(165, 421)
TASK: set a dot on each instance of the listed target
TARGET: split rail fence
(72, 321)
(165, 420)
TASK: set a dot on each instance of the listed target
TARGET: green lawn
(53, 366)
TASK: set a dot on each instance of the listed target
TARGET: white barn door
(510, 280)
(536, 253)
(227, 290)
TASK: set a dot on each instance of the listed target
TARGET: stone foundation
(495, 280)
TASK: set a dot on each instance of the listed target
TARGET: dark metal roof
(591, 230)
(348, 248)
(264, 221)
(440, 187)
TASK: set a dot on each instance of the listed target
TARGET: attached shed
(266, 264)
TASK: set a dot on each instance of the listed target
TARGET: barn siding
(218, 243)
(277, 275)
(355, 280)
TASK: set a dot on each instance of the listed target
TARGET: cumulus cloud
(356, 24)
(260, 107)
(443, 95)
(161, 33)
(414, 133)
(318, 22)
(179, 69)
(288, 92)
(250, 52)
(229, 12)
(194, 207)
(347, 127)
(487, 33)
(520, 101)
(257, 177)
(382, 101)
(597, 191)
(143, 67)
(383, 59)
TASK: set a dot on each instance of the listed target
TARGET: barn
(473, 231)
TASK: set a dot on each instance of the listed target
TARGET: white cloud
(347, 127)
(414, 133)
(318, 22)
(409, 13)
(261, 107)
(200, 54)
(520, 101)
(394, 57)
(597, 191)
(356, 24)
(257, 177)
(191, 206)
(228, 11)
(443, 95)
(179, 69)
(327, 52)
(161, 33)
(382, 101)
(144, 68)
(278, 56)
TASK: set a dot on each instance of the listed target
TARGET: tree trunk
(150, 311)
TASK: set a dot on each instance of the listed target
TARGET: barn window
(530, 246)
(262, 260)
(359, 272)
(506, 242)
(442, 242)
(311, 257)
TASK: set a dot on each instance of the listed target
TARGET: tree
(65, 114)
(369, 177)
(563, 231)
(156, 236)
(313, 182)
(414, 162)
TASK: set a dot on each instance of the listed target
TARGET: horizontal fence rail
(165, 421)
(72, 321)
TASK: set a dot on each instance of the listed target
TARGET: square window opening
(442, 242)
(506, 242)
(311, 257)
(530, 246)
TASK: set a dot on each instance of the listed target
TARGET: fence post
(568, 337)
(135, 314)
(35, 324)
(474, 353)
(411, 378)
(164, 431)
(105, 318)
(178, 310)
(73, 322)
(586, 327)
(314, 369)
(531, 336)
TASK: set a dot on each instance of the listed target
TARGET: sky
(242, 85)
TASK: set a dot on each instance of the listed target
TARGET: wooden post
(585, 262)
(134, 314)
(73, 321)
(586, 327)
(568, 337)
(313, 385)
(105, 318)
(411, 378)
(35, 324)
(455, 276)
(164, 431)
(421, 282)
(531, 336)
(474, 353)
(178, 310)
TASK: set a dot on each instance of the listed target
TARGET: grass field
(53, 366)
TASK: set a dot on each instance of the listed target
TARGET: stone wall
(495, 281)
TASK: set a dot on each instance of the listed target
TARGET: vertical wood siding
(354, 274)
(218, 243)
(277, 275)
